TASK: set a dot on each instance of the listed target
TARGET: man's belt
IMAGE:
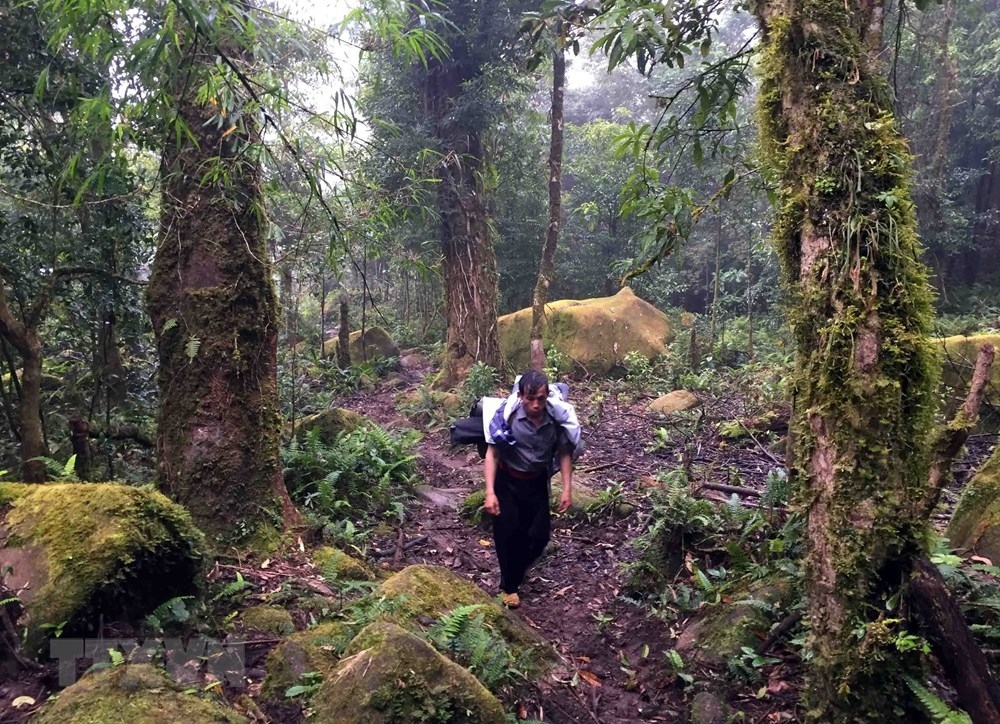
(518, 474)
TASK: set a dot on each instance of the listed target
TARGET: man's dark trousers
(521, 531)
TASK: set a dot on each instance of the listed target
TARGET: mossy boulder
(343, 566)
(138, 694)
(959, 360)
(317, 649)
(426, 593)
(722, 631)
(595, 334)
(975, 524)
(675, 401)
(390, 675)
(423, 404)
(269, 619)
(329, 423)
(90, 550)
(375, 342)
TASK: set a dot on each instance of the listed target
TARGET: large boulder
(333, 562)
(595, 334)
(329, 423)
(390, 675)
(720, 632)
(975, 524)
(77, 553)
(138, 694)
(426, 592)
(375, 342)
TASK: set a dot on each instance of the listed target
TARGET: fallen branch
(390, 550)
(949, 440)
(779, 632)
(737, 489)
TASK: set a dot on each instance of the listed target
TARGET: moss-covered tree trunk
(547, 266)
(469, 264)
(865, 371)
(213, 307)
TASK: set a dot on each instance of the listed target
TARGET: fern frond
(940, 712)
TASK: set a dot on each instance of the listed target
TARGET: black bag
(469, 430)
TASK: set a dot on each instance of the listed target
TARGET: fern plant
(939, 711)
(464, 636)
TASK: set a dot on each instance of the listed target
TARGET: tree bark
(547, 266)
(214, 312)
(24, 338)
(469, 266)
(861, 310)
(953, 644)
(344, 335)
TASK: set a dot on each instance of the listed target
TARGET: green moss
(317, 649)
(861, 312)
(722, 631)
(975, 524)
(270, 619)
(95, 549)
(594, 333)
(390, 675)
(138, 694)
(429, 592)
(334, 562)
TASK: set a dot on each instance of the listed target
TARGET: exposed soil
(612, 650)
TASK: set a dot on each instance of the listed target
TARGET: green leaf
(192, 347)
(168, 325)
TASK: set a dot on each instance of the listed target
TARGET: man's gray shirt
(535, 447)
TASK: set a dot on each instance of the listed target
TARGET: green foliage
(481, 381)
(694, 550)
(464, 636)
(361, 476)
(939, 711)
(310, 683)
(60, 472)
(171, 612)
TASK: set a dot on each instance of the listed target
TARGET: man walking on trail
(522, 447)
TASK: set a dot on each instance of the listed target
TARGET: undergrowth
(353, 482)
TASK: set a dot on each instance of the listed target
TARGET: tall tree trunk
(469, 265)
(24, 338)
(865, 372)
(547, 266)
(214, 312)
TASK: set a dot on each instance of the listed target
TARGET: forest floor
(613, 665)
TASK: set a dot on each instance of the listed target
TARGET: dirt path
(613, 668)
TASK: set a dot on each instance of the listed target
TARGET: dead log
(949, 636)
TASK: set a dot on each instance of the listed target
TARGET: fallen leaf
(980, 559)
(584, 659)
(522, 711)
(561, 591)
(22, 701)
(266, 563)
(590, 678)
(776, 686)
(302, 548)
(484, 543)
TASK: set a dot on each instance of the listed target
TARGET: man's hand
(565, 501)
(491, 504)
